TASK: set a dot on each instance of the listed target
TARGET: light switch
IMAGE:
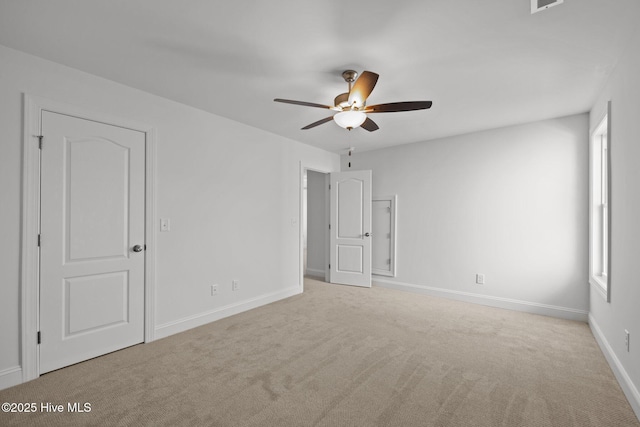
(165, 224)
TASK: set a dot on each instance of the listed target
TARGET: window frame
(600, 206)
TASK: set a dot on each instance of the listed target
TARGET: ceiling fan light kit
(350, 119)
(342, 100)
(351, 109)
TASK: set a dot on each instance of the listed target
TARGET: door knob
(137, 248)
(367, 234)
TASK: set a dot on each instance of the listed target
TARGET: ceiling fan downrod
(349, 76)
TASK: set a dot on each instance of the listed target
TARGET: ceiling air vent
(538, 5)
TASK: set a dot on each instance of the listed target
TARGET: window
(599, 214)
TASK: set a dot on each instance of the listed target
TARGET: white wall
(609, 320)
(509, 203)
(231, 192)
(316, 224)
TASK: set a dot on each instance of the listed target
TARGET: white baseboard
(200, 319)
(10, 377)
(628, 387)
(314, 273)
(499, 302)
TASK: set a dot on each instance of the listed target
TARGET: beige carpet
(344, 356)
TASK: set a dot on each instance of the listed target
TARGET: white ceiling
(484, 64)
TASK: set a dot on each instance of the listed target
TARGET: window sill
(600, 286)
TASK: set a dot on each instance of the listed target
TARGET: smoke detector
(538, 5)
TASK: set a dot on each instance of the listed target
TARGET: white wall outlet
(214, 290)
(234, 285)
(626, 339)
(165, 224)
(480, 279)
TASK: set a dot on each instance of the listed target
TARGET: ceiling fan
(351, 109)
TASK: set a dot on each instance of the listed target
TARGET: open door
(350, 228)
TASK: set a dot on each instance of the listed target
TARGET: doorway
(349, 239)
(305, 169)
(92, 246)
(88, 268)
(315, 224)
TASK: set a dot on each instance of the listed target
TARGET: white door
(350, 228)
(92, 218)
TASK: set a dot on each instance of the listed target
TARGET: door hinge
(329, 186)
(329, 226)
(329, 266)
(40, 141)
(39, 338)
(39, 240)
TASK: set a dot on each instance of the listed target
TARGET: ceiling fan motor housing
(342, 100)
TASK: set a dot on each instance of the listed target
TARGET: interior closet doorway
(315, 223)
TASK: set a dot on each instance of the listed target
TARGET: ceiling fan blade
(318, 123)
(393, 107)
(362, 88)
(303, 103)
(369, 125)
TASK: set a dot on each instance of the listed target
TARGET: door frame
(29, 269)
(304, 167)
(393, 201)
